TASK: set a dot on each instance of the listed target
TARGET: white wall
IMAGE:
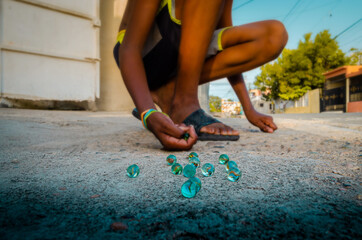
(49, 49)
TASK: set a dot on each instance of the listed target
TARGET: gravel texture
(63, 176)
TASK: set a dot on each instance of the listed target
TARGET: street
(63, 176)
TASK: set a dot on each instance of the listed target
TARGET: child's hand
(264, 122)
(170, 134)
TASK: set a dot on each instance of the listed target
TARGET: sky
(343, 18)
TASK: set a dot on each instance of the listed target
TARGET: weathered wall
(354, 106)
(113, 93)
(57, 52)
(311, 104)
(49, 50)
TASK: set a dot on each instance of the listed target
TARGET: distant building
(230, 107)
(259, 103)
(254, 93)
(343, 89)
(308, 103)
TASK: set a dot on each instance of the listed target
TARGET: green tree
(299, 70)
(356, 57)
(215, 104)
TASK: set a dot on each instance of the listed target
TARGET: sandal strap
(199, 119)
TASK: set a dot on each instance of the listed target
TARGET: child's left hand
(264, 122)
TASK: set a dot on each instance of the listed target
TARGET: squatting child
(167, 48)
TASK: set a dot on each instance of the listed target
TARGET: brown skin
(245, 47)
(134, 75)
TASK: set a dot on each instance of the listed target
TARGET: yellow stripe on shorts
(120, 36)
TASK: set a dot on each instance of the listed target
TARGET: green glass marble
(208, 169)
(193, 154)
(234, 174)
(189, 170)
(171, 159)
(230, 164)
(197, 182)
(133, 171)
(223, 159)
(186, 136)
(176, 169)
(189, 189)
(195, 161)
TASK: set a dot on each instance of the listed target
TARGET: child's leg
(199, 19)
(245, 47)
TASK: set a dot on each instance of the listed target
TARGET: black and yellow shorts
(162, 45)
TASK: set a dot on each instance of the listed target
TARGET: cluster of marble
(232, 170)
(193, 185)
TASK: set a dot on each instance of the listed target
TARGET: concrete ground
(62, 176)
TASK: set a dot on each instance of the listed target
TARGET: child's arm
(264, 122)
(141, 18)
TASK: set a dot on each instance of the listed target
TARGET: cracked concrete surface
(62, 176)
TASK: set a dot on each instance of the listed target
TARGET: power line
(351, 34)
(295, 14)
(291, 10)
(348, 28)
(305, 7)
(323, 17)
(243, 4)
(355, 39)
(306, 10)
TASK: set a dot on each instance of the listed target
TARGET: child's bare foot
(219, 129)
(181, 110)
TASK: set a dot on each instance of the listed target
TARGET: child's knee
(280, 32)
(277, 37)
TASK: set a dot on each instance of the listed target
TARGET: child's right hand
(170, 134)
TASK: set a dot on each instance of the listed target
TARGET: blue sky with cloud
(343, 18)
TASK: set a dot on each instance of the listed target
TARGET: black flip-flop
(136, 114)
(200, 119)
